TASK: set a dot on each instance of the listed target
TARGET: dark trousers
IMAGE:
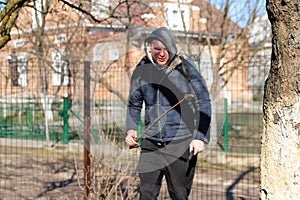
(179, 173)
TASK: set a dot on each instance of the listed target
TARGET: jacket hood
(165, 36)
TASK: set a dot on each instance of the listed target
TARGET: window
(113, 54)
(18, 69)
(60, 74)
(105, 52)
(12, 60)
(22, 70)
(18, 43)
(60, 38)
(177, 16)
(97, 53)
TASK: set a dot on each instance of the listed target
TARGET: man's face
(159, 53)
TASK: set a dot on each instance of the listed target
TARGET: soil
(57, 173)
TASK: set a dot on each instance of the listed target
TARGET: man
(177, 114)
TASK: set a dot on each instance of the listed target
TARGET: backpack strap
(183, 71)
(174, 64)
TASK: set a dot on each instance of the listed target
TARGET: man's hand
(196, 146)
(130, 138)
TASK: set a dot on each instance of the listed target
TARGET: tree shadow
(229, 193)
(59, 184)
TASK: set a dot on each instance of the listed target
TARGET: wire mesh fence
(39, 160)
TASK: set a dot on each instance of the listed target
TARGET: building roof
(118, 12)
(214, 18)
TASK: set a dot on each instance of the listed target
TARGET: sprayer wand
(156, 120)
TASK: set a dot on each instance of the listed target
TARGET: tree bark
(280, 150)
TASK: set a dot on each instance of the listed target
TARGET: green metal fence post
(28, 116)
(66, 119)
(225, 125)
(1, 112)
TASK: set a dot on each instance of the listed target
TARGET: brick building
(50, 46)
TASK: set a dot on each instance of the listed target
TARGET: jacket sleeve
(202, 102)
(135, 102)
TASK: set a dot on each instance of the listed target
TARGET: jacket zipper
(167, 72)
(158, 113)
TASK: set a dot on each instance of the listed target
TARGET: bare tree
(222, 47)
(8, 17)
(50, 47)
(50, 20)
(280, 161)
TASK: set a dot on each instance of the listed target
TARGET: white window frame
(176, 22)
(22, 70)
(60, 69)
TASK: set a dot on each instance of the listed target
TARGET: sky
(2, 4)
(240, 10)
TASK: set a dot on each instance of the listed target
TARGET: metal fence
(23, 119)
(32, 167)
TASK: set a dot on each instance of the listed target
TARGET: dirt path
(45, 174)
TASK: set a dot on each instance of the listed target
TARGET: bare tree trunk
(280, 151)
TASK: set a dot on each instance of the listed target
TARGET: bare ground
(53, 173)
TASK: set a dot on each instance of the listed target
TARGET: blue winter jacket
(158, 88)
